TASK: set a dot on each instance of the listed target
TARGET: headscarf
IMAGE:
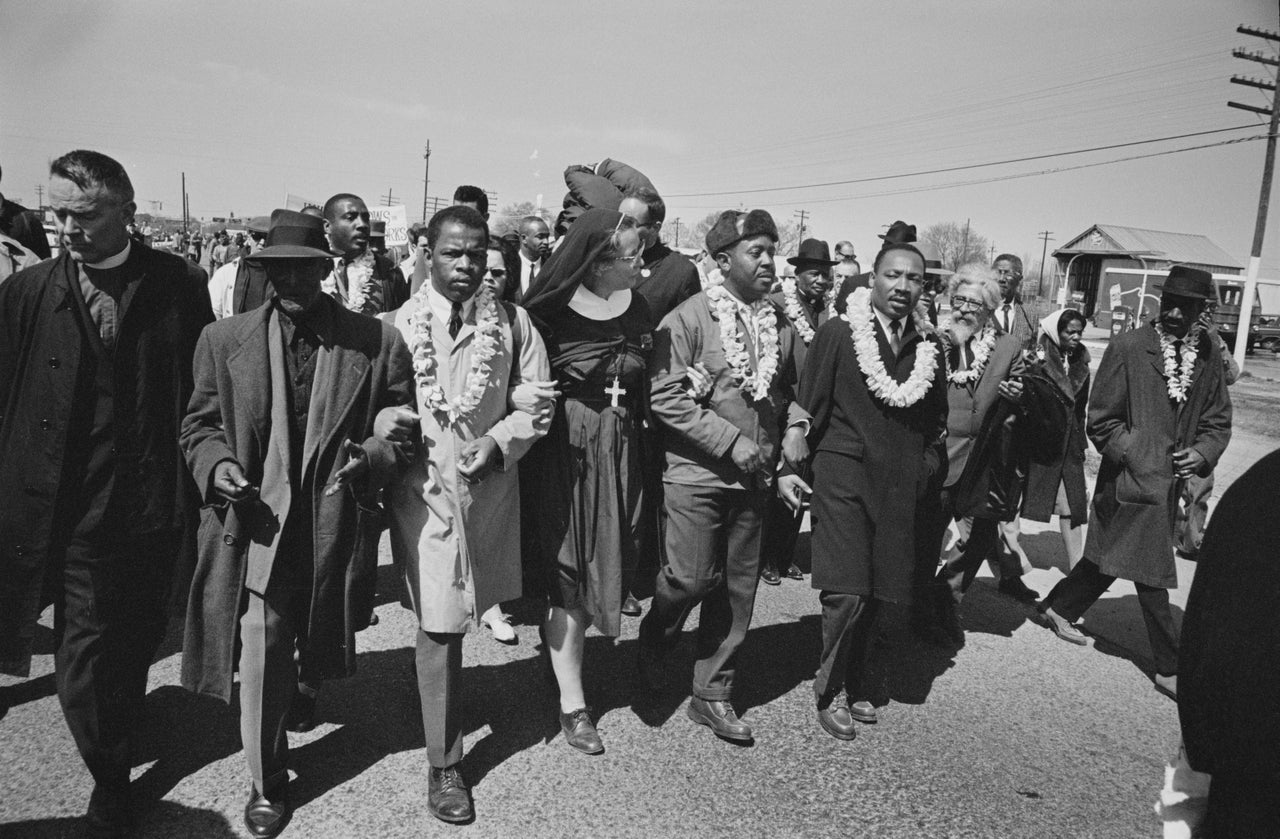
(1052, 322)
(570, 263)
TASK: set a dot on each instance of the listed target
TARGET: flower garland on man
(1160, 414)
(361, 280)
(721, 454)
(873, 386)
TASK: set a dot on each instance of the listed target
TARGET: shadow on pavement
(182, 732)
(32, 690)
(1045, 550)
(161, 819)
(1118, 628)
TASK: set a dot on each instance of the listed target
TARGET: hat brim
(799, 261)
(290, 252)
(1186, 295)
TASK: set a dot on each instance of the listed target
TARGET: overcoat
(42, 344)
(982, 457)
(814, 317)
(1137, 427)
(872, 462)
(361, 368)
(1053, 435)
(457, 544)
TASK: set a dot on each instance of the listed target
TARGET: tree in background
(695, 236)
(508, 218)
(956, 245)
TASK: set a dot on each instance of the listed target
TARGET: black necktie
(455, 319)
(1004, 316)
(895, 333)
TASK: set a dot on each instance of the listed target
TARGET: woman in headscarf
(582, 483)
(1056, 390)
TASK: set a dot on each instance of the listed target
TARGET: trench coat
(1055, 405)
(457, 544)
(362, 367)
(1137, 427)
(41, 347)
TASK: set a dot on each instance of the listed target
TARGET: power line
(957, 168)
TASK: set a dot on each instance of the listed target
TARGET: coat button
(229, 540)
(46, 424)
(54, 362)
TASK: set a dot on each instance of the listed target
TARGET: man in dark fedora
(1159, 413)
(95, 366)
(805, 299)
(898, 233)
(279, 438)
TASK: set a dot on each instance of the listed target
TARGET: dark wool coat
(871, 464)
(815, 318)
(1229, 661)
(1052, 433)
(42, 343)
(969, 406)
(1137, 427)
(363, 367)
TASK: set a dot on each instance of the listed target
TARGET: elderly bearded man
(279, 438)
(983, 389)
(874, 387)
(95, 368)
(1159, 413)
(721, 456)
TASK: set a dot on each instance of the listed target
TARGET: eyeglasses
(965, 304)
(497, 273)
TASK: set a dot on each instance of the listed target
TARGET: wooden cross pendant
(615, 390)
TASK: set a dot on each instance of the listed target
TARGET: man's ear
(722, 262)
(127, 211)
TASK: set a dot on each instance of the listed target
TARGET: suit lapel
(247, 363)
(340, 376)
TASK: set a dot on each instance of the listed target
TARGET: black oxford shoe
(836, 720)
(266, 817)
(302, 713)
(769, 575)
(580, 732)
(448, 798)
(720, 718)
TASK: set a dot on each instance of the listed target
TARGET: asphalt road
(1016, 735)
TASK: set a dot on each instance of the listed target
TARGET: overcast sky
(255, 99)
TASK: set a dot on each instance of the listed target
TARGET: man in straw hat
(279, 438)
(1159, 413)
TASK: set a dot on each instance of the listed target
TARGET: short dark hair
(890, 247)
(472, 195)
(657, 207)
(416, 231)
(528, 220)
(1010, 258)
(457, 214)
(88, 169)
(332, 203)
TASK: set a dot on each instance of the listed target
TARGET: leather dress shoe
(1063, 628)
(580, 732)
(302, 713)
(794, 572)
(448, 798)
(770, 575)
(836, 720)
(719, 716)
(1018, 590)
(266, 817)
(631, 607)
(109, 815)
(864, 712)
(1168, 685)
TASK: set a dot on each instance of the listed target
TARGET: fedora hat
(812, 252)
(294, 236)
(377, 229)
(932, 260)
(1188, 282)
(899, 233)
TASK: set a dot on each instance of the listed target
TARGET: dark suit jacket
(668, 279)
(17, 222)
(239, 365)
(42, 342)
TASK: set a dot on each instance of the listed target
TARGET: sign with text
(1115, 295)
(396, 221)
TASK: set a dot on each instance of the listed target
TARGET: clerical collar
(594, 307)
(112, 261)
(442, 307)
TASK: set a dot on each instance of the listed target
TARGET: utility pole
(40, 197)
(184, 204)
(992, 256)
(1044, 252)
(426, 179)
(677, 224)
(964, 247)
(1264, 198)
(804, 216)
(386, 202)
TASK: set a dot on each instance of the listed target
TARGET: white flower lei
(755, 385)
(859, 317)
(484, 347)
(359, 282)
(791, 305)
(1178, 376)
(981, 352)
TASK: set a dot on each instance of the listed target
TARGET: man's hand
(1187, 463)
(395, 425)
(795, 448)
(792, 489)
(1010, 389)
(477, 459)
(746, 455)
(537, 398)
(700, 381)
(230, 482)
(357, 466)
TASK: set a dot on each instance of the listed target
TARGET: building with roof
(1106, 266)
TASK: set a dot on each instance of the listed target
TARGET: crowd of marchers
(574, 413)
